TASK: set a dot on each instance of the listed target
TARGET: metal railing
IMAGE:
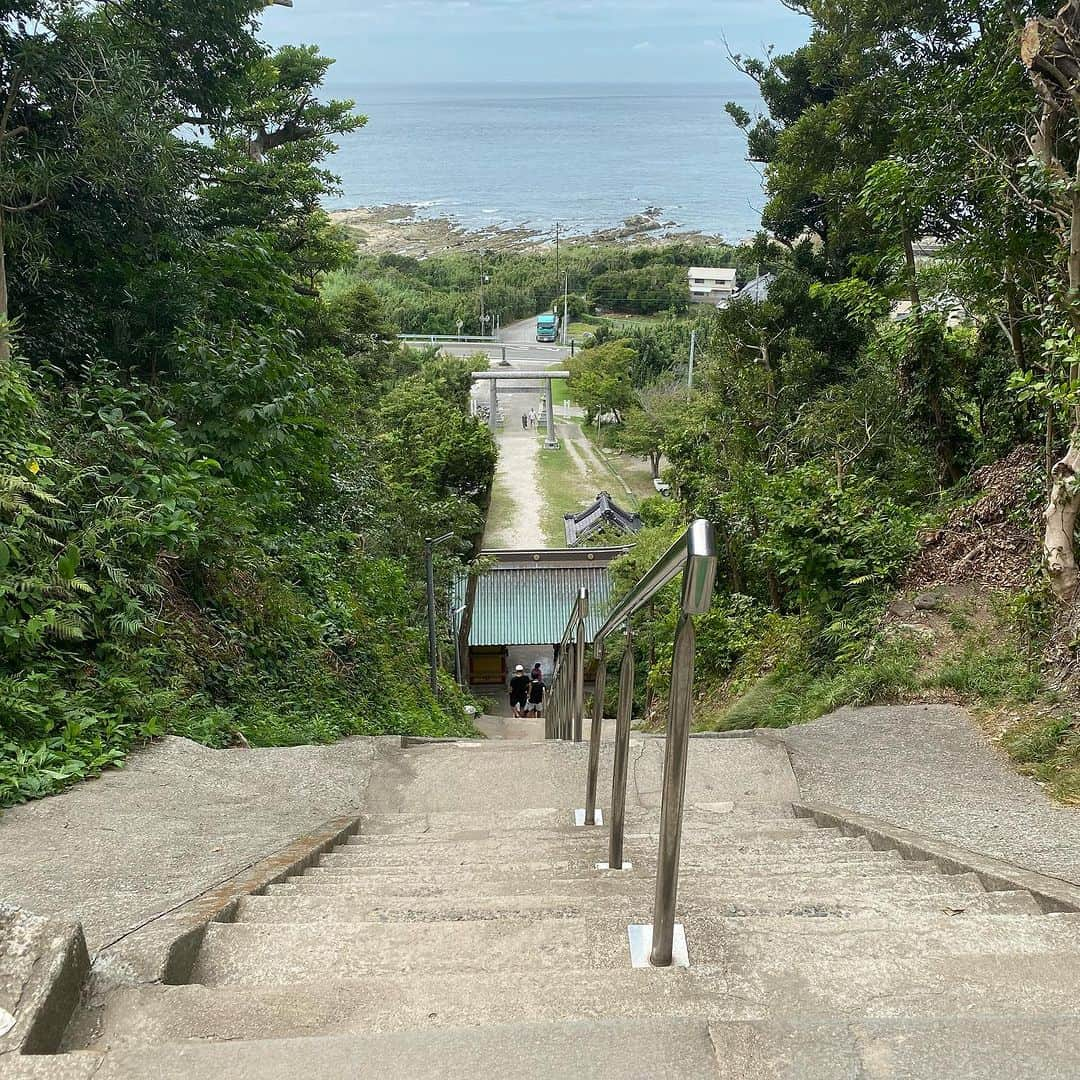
(566, 698)
(694, 556)
(462, 339)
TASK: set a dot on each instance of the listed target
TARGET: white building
(711, 284)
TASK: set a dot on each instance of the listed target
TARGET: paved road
(523, 351)
(521, 332)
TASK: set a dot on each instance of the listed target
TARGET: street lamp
(429, 560)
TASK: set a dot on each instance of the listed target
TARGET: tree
(646, 425)
(600, 379)
(1050, 51)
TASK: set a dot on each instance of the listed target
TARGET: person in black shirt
(535, 707)
(519, 691)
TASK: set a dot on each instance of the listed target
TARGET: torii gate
(495, 377)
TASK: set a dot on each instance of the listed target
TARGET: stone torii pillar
(544, 377)
(551, 443)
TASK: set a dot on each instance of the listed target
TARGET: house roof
(603, 512)
(715, 273)
(756, 290)
(532, 607)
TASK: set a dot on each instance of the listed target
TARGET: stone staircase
(466, 932)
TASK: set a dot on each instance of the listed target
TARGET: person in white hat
(519, 691)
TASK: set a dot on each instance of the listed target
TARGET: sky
(534, 40)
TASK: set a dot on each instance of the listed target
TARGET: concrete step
(961, 1048)
(927, 987)
(757, 836)
(333, 907)
(662, 1049)
(754, 943)
(590, 851)
(382, 1003)
(541, 877)
(261, 954)
(451, 823)
(743, 889)
(269, 954)
(586, 858)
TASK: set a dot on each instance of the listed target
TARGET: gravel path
(175, 821)
(930, 769)
(516, 481)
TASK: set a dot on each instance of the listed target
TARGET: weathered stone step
(254, 954)
(741, 889)
(269, 954)
(644, 869)
(925, 987)
(393, 1003)
(780, 862)
(661, 1049)
(332, 907)
(449, 823)
(754, 942)
(505, 850)
(1004, 1047)
(796, 837)
(886, 975)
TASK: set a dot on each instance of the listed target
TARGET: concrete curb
(1050, 893)
(48, 993)
(164, 949)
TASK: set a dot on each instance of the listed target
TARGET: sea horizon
(588, 154)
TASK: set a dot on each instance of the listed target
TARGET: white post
(693, 349)
(550, 443)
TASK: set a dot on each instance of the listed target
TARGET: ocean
(586, 155)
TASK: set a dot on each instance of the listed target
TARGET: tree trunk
(1051, 437)
(776, 598)
(913, 281)
(5, 329)
(1050, 51)
(1061, 514)
(1014, 326)
(654, 463)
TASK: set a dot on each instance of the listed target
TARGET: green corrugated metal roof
(532, 606)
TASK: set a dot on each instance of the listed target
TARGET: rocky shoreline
(401, 229)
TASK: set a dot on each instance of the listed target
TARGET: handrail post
(579, 675)
(622, 753)
(594, 733)
(674, 791)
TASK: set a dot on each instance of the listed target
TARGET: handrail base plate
(579, 817)
(641, 946)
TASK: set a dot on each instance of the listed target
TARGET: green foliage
(432, 295)
(214, 483)
(830, 546)
(989, 672)
(600, 379)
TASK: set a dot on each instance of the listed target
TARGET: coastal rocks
(403, 229)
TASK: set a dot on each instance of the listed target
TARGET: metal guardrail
(694, 556)
(566, 699)
(464, 339)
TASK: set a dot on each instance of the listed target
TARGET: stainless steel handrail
(566, 696)
(694, 555)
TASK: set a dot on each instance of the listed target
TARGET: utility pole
(433, 651)
(565, 305)
(557, 227)
(481, 293)
(693, 349)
